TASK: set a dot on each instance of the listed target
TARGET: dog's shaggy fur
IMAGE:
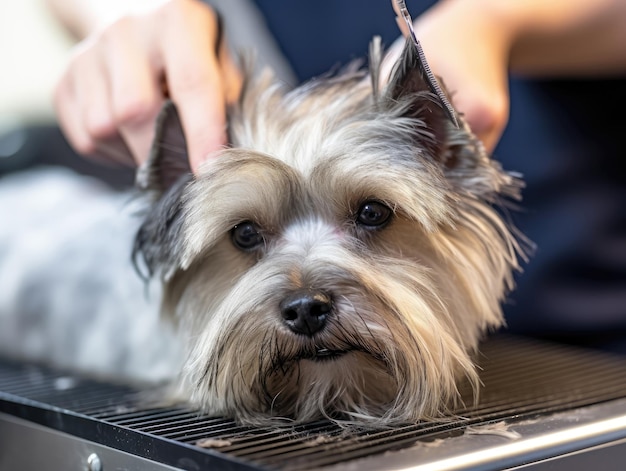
(341, 259)
(365, 195)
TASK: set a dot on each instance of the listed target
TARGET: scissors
(399, 6)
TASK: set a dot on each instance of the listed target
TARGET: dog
(341, 259)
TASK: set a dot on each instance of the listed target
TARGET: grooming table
(542, 407)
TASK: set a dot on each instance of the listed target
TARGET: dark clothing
(564, 136)
(316, 36)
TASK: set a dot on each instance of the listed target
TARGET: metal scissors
(399, 6)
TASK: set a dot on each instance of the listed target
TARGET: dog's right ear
(169, 159)
(164, 178)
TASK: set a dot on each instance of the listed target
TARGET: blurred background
(34, 47)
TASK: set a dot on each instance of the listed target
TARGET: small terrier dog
(341, 259)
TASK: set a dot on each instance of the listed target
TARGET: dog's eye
(373, 214)
(246, 236)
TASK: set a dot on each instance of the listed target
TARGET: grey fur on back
(57, 229)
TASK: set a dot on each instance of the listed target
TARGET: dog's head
(342, 258)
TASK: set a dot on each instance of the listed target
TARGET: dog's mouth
(324, 354)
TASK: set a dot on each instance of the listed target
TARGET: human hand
(117, 79)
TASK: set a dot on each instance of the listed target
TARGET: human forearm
(473, 45)
(558, 37)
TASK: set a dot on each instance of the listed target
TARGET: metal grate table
(541, 404)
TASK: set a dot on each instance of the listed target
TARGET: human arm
(474, 44)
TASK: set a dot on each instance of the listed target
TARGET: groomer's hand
(119, 76)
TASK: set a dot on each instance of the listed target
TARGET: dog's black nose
(305, 311)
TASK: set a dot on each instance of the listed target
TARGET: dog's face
(341, 259)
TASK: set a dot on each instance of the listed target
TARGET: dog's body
(342, 259)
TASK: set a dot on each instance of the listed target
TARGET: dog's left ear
(168, 161)
(408, 85)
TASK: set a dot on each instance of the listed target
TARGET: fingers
(232, 77)
(134, 86)
(195, 80)
(67, 104)
(101, 99)
(487, 118)
(108, 99)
